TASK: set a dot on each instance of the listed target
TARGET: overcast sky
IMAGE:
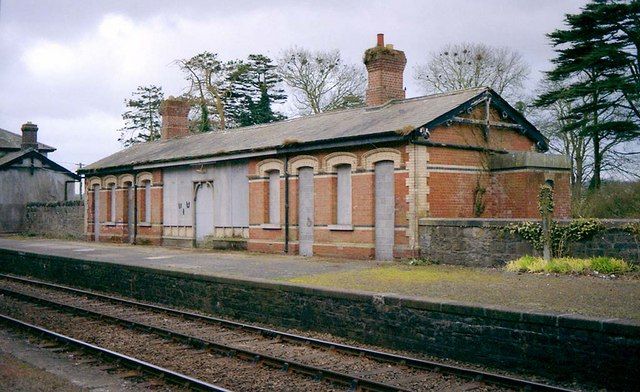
(67, 65)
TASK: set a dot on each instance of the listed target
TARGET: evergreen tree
(142, 119)
(597, 65)
(255, 88)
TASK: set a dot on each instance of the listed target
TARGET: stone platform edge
(611, 326)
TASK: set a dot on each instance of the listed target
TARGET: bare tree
(209, 87)
(468, 65)
(321, 81)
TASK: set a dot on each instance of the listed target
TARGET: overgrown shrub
(612, 200)
(67, 203)
(562, 236)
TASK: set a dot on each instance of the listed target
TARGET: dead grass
(584, 295)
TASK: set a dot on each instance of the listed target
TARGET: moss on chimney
(376, 52)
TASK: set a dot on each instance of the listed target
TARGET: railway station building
(351, 183)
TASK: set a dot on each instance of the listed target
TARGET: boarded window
(112, 196)
(147, 201)
(343, 213)
(274, 197)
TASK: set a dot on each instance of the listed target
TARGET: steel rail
(121, 359)
(318, 373)
(480, 375)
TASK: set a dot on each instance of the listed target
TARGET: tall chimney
(175, 118)
(385, 66)
(29, 136)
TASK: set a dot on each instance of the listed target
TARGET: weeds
(569, 265)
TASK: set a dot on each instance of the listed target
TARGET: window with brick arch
(112, 203)
(343, 195)
(146, 185)
(274, 197)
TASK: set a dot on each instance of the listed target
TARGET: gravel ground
(346, 341)
(230, 373)
(413, 379)
(19, 376)
(31, 363)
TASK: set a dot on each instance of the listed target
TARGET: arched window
(274, 197)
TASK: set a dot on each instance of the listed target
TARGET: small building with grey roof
(27, 175)
(347, 183)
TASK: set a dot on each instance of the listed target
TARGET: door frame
(196, 186)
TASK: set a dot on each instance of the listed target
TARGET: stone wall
(56, 220)
(20, 184)
(483, 242)
(563, 347)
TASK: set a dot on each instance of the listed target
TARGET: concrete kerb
(626, 328)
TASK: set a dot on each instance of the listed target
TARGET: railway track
(121, 359)
(341, 365)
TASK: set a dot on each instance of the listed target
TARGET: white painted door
(96, 212)
(204, 210)
(385, 210)
(305, 211)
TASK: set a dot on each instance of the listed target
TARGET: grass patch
(569, 265)
(390, 278)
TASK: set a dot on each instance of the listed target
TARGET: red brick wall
(118, 231)
(515, 194)
(460, 185)
(358, 243)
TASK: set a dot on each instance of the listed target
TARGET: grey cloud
(94, 92)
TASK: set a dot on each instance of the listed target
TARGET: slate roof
(17, 156)
(10, 157)
(12, 141)
(330, 126)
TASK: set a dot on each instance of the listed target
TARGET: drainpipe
(135, 208)
(286, 204)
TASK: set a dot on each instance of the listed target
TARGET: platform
(205, 262)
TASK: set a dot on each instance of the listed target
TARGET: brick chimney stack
(175, 118)
(385, 66)
(29, 136)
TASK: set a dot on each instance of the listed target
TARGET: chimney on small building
(385, 66)
(175, 118)
(29, 136)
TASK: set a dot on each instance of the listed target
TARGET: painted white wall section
(274, 197)
(305, 210)
(385, 210)
(230, 198)
(344, 195)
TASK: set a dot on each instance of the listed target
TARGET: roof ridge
(332, 112)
